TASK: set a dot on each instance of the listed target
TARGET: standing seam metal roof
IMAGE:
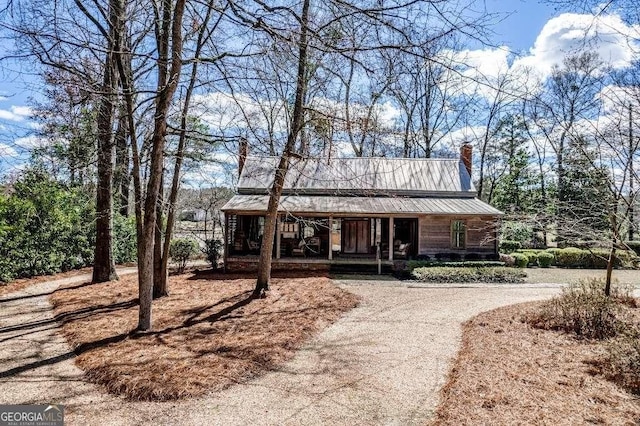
(360, 176)
(297, 204)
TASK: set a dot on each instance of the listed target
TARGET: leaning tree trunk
(167, 84)
(182, 146)
(266, 252)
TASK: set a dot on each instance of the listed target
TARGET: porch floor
(305, 260)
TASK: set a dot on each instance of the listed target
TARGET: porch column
(390, 237)
(330, 237)
(225, 248)
(278, 236)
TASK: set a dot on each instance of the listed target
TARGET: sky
(530, 34)
(523, 21)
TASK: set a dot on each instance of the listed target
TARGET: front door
(356, 236)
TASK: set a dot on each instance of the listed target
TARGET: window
(458, 234)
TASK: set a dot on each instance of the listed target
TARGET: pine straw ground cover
(207, 334)
(508, 372)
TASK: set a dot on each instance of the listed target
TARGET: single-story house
(361, 210)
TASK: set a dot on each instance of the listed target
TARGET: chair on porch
(313, 245)
(254, 246)
(300, 249)
(402, 252)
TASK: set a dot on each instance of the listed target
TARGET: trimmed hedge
(634, 245)
(532, 255)
(572, 257)
(521, 259)
(499, 274)
(545, 259)
(509, 246)
(413, 264)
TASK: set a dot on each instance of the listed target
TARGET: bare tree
(49, 35)
(556, 113)
(304, 32)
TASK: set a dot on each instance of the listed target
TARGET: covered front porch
(324, 239)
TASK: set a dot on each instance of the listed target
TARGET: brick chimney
(466, 156)
(243, 150)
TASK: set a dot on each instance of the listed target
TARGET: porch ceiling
(362, 205)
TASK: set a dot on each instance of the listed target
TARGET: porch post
(225, 248)
(278, 236)
(390, 237)
(330, 237)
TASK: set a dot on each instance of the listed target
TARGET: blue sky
(523, 22)
(532, 34)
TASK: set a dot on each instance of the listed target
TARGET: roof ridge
(360, 158)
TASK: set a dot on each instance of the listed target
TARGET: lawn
(207, 334)
(509, 372)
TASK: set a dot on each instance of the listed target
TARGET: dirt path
(383, 363)
(36, 362)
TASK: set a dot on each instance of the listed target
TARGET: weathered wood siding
(435, 234)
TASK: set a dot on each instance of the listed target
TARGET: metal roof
(299, 204)
(360, 176)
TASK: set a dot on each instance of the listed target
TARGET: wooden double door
(356, 236)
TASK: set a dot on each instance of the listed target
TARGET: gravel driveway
(383, 363)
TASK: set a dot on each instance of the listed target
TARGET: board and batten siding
(435, 234)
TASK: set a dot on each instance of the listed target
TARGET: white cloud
(572, 33)
(8, 115)
(486, 64)
(7, 151)
(16, 113)
(30, 142)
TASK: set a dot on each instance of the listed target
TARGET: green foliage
(545, 259)
(634, 245)
(124, 239)
(413, 264)
(586, 195)
(516, 231)
(532, 255)
(627, 259)
(509, 246)
(181, 250)
(499, 274)
(213, 251)
(511, 156)
(45, 228)
(584, 309)
(572, 257)
(521, 259)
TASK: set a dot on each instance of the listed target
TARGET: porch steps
(359, 269)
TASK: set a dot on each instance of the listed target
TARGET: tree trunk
(182, 146)
(121, 175)
(104, 268)
(266, 252)
(167, 84)
(612, 253)
(159, 273)
(610, 261)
